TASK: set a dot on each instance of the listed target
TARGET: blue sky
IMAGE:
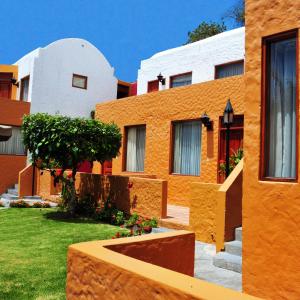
(126, 31)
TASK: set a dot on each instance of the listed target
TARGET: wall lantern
(228, 121)
(206, 121)
(161, 79)
(14, 82)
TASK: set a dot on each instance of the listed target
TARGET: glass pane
(181, 80)
(136, 138)
(280, 146)
(79, 81)
(231, 69)
(187, 148)
(14, 145)
(25, 89)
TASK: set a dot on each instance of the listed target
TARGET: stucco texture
(145, 196)
(129, 269)
(271, 210)
(203, 211)
(157, 110)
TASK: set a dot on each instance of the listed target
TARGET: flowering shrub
(19, 204)
(234, 159)
(41, 205)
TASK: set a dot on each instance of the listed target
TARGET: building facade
(67, 77)
(215, 57)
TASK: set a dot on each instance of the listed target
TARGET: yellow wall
(157, 110)
(14, 70)
(271, 210)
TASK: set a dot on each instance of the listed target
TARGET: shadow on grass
(62, 216)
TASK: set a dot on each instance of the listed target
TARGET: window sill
(278, 180)
(185, 175)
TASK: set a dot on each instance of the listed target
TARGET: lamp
(228, 121)
(228, 114)
(161, 79)
(206, 121)
(14, 82)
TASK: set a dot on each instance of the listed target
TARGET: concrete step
(234, 247)
(228, 261)
(13, 192)
(32, 197)
(239, 234)
(9, 196)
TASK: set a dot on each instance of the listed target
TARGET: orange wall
(271, 211)
(11, 113)
(10, 165)
(203, 208)
(158, 109)
(146, 196)
(11, 69)
(94, 271)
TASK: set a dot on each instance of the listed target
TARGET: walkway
(177, 215)
(204, 268)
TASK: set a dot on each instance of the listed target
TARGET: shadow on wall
(101, 188)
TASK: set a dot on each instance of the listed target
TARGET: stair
(12, 195)
(231, 258)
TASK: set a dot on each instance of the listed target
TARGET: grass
(33, 251)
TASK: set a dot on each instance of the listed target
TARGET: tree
(205, 30)
(237, 13)
(62, 142)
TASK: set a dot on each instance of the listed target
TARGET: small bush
(19, 204)
(86, 206)
(41, 205)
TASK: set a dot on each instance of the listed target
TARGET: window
(229, 69)
(24, 88)
(79, 81)
(14, 145)
(187, 147)
(181, 80)
(153, 86)
(280, 108)
(135, 148)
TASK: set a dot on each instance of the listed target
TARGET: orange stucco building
(271, 210)
(158, 112)
(12, 153)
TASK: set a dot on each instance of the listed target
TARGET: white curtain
(232, 69)
(135, 149)
(281, 110)
(182, 80)
(187, 148)
(14, 145)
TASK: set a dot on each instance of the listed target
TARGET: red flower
(118, 235)
(58, 172)
(69, 175)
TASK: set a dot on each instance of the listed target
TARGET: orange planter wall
(271, 210)
(140, 268)
(157, 110)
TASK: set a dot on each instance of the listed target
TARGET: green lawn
(33, 251)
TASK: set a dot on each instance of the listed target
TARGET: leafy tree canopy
(237, 13)
(205, 30)
(65, 142)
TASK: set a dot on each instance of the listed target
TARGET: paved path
(204, 268)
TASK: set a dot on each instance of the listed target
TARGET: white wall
(51, 70)
(199, 57)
